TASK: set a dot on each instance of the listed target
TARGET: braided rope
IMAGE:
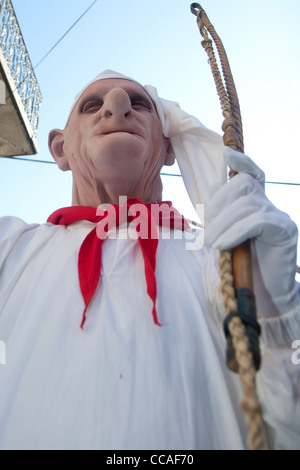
(242, 362)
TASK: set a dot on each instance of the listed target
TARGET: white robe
(124, 382)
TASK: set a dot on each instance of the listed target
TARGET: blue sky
(158, 42)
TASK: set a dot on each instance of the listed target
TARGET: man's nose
(116, 103)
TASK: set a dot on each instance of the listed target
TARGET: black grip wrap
(247, 314)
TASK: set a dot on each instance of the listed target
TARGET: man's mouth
(118, 131)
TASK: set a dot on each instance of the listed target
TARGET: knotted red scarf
(89, 258)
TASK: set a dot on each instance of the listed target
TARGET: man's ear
(56, 146)
(170, 155)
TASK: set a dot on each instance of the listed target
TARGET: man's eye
(138, 104)
(91, 106)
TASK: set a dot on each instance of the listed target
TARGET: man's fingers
(241, 185)
(228, 233)
(243, 164)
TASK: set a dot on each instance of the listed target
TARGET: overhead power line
(65, 34)
(56, 44)
(31, 160)
(267, 182)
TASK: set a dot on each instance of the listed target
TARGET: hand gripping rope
(241, 328)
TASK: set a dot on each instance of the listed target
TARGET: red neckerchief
(89, 258)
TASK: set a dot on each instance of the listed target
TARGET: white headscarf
(198, 150)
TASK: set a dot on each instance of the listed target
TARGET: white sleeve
(11, 228)
(278, 380)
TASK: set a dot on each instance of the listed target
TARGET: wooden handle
(242, 266)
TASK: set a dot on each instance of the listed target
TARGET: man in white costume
(128, 379)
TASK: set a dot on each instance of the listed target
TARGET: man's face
(115, 130)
